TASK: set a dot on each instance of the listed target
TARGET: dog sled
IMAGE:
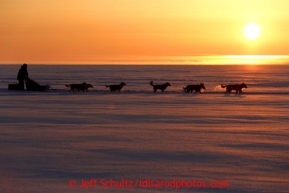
(34, 86)
(31, 85)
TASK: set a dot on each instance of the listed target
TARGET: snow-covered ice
(50, 138)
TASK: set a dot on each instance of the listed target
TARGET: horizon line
(172, 60)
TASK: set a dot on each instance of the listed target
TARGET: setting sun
(252, 31)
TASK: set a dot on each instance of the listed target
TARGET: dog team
(32, 85)
(189, 88)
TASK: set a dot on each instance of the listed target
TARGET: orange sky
(141, 31)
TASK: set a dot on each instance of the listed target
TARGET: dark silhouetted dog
(116, 86)
(237, 87)
(196, 88)
(79, 87)
(161, 87)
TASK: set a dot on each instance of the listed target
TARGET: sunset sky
(142, 31)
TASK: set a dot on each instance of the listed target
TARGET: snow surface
(50, 138)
